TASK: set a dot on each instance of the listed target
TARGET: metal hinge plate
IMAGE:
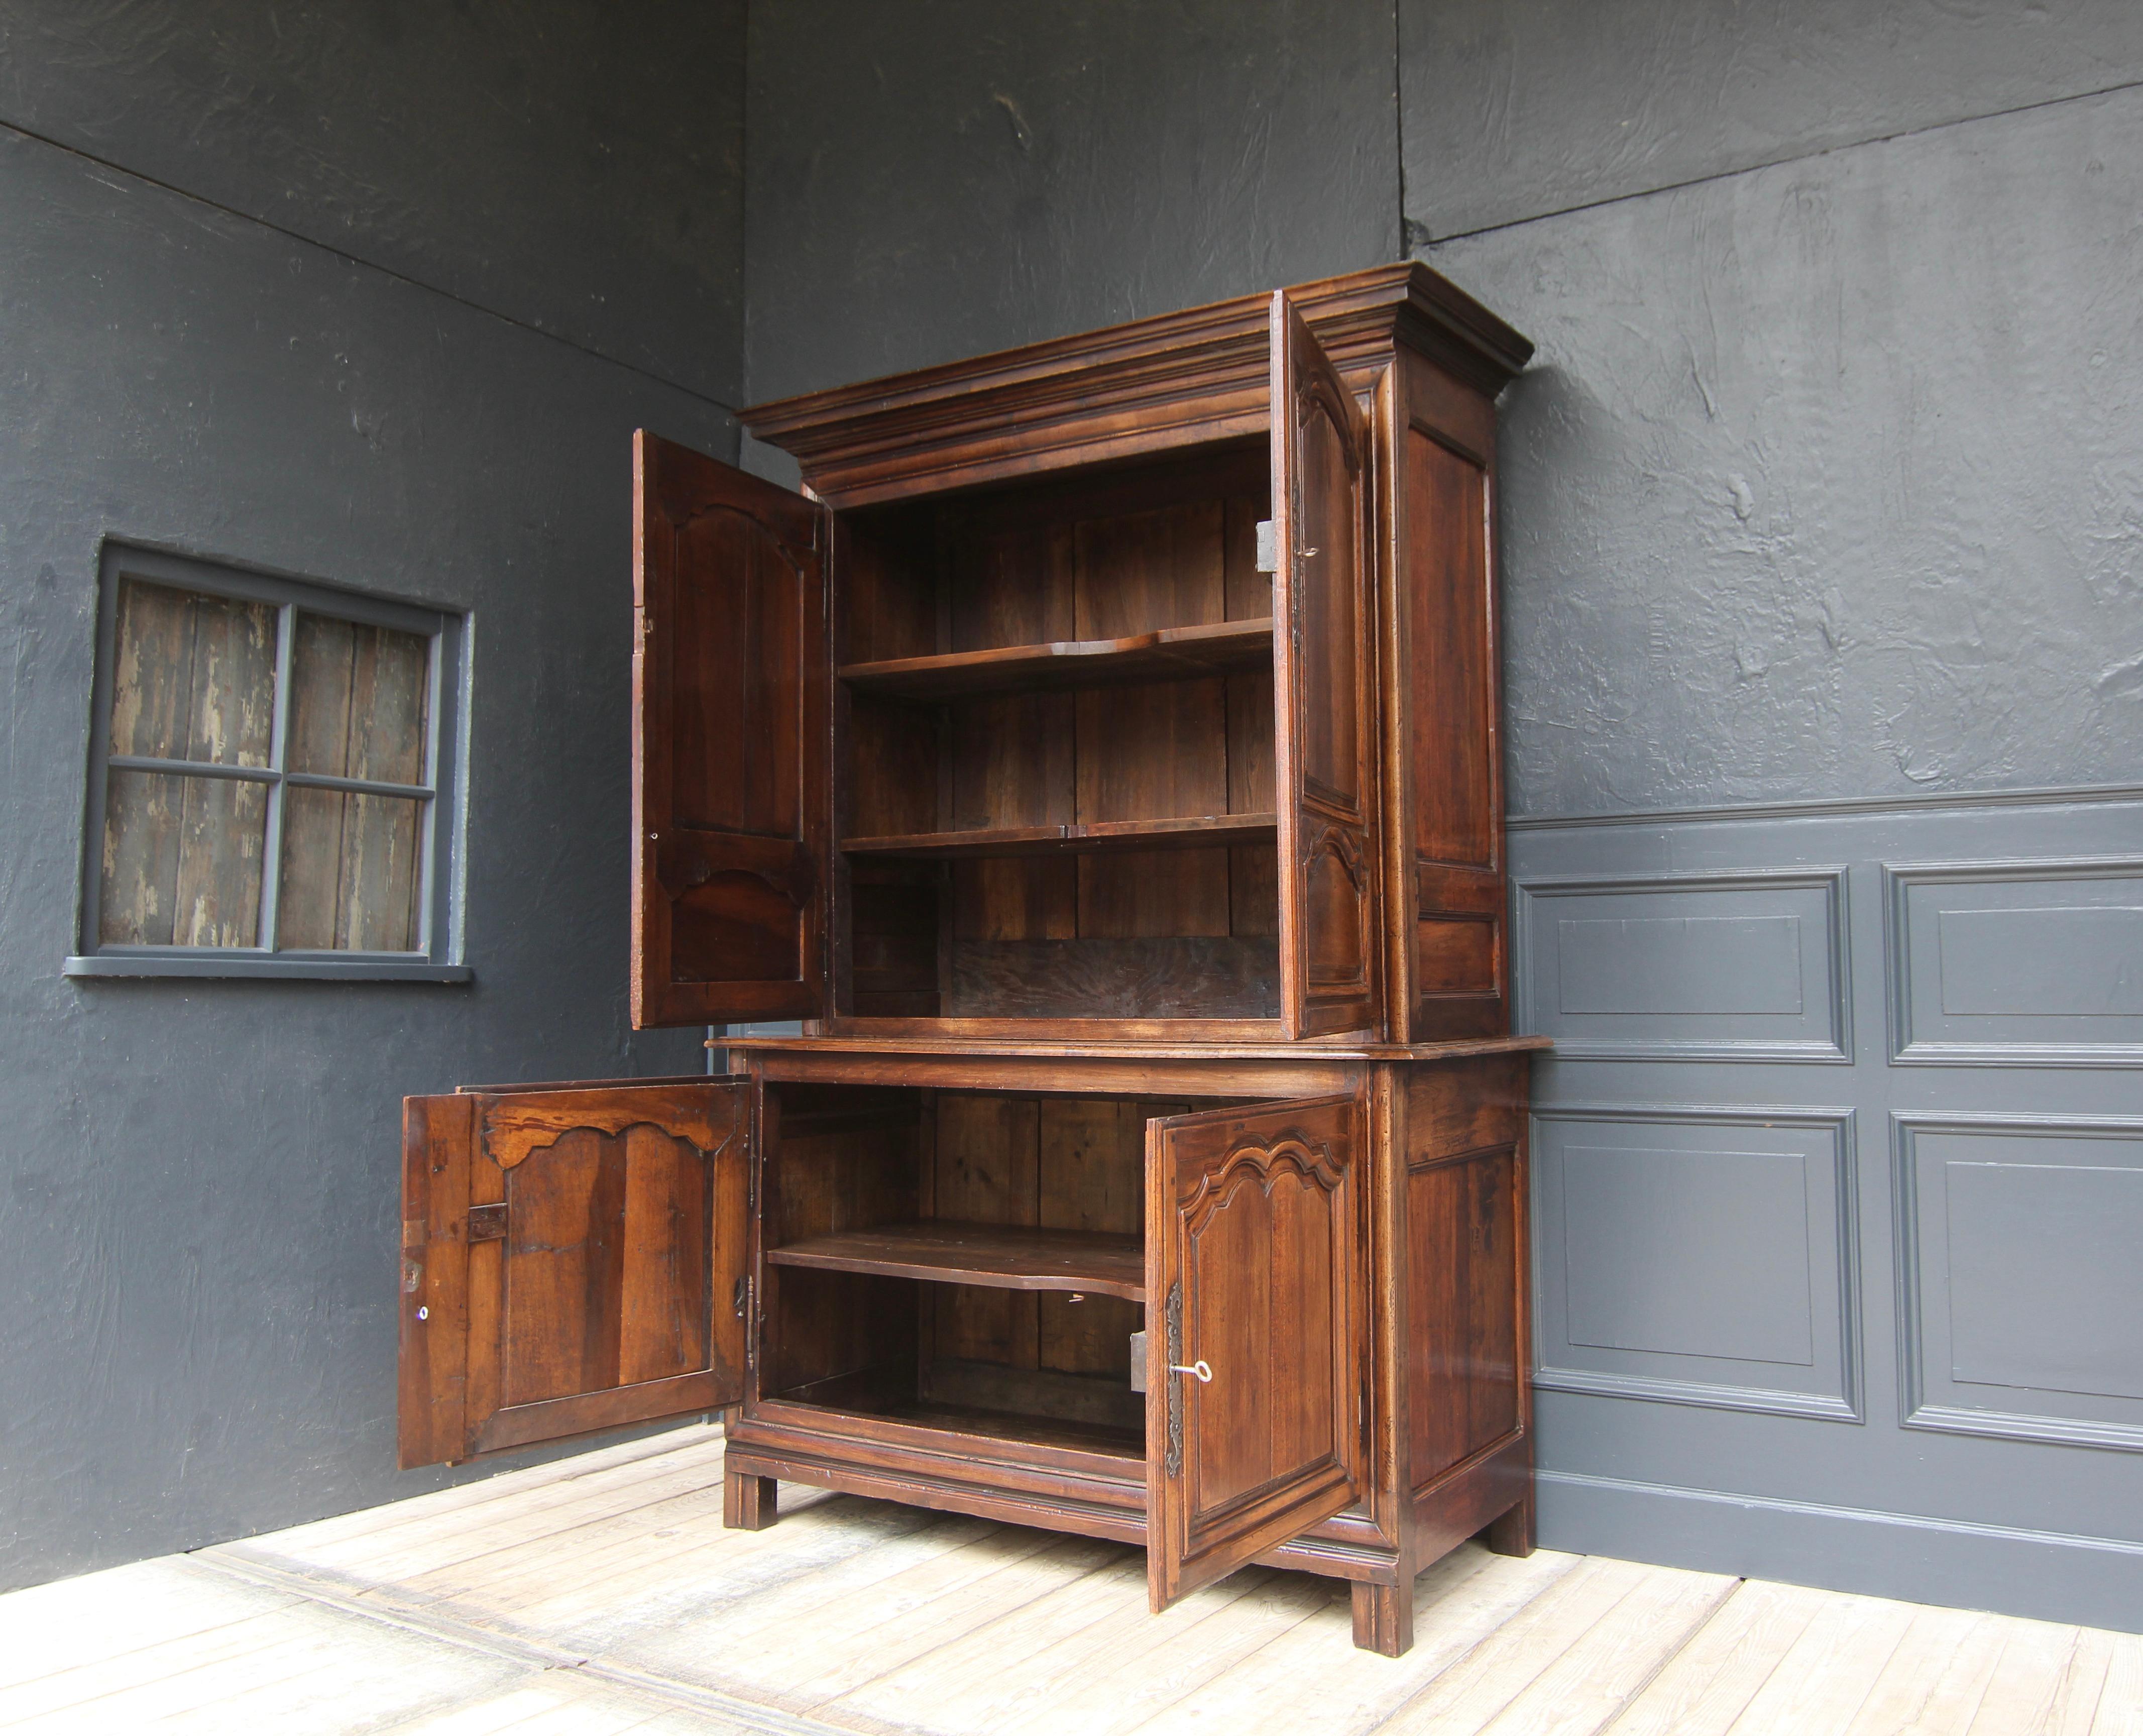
(487, 1224)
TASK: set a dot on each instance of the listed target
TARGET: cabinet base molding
(1490, 1497)
(944, 1493)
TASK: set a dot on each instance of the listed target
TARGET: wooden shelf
(1200, 831)
(996, 1256)
(1172, 653)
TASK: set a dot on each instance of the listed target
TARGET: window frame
(437, 957)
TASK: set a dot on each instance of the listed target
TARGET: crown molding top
(1197, 375)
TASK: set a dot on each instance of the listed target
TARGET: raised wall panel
(2021, 1263)
(1999, 1280)
(1699, 1255)
(1743, 966)
(2017, 963)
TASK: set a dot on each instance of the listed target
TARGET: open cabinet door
(1257, 1333)
(1322, 652)
(731, 723)
(572, 1260)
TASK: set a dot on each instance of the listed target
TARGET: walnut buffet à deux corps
(1101, 757)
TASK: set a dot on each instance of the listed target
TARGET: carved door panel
(1257, 1333)
(572, 1260)
(1324, 676)
(731, 722)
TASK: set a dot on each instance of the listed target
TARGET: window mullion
(356, 786)
(428, 824)
(271, 869)
(190, 768)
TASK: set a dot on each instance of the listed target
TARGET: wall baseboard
(2046, 1575)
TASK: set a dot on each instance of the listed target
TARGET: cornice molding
(1123, 390)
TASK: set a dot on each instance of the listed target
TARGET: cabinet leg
(1383, 1618)
(747, 1502)
(1512, 1535)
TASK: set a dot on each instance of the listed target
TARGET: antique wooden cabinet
(1101, 759)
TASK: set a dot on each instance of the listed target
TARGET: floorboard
(600, 1595)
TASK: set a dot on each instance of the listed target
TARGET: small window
(270, 788)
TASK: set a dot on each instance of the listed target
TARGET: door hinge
(1173, 1315)
(487, 1224)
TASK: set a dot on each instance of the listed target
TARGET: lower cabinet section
(925, 1277)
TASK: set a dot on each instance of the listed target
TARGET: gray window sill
(303, 967)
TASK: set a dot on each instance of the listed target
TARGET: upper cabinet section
(1175, 379)
(1076, 689)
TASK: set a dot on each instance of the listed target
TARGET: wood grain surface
(600, 1594)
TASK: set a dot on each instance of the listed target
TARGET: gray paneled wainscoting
(1839, 1174)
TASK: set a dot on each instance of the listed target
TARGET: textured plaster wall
(1826, 479)
(927, 182)
(198, 1180)
(1517, 108)
(576, 167)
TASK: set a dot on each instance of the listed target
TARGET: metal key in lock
(1202, 1368)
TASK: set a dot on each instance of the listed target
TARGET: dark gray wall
(1843, 463)
(198, 1180)
(932, 182)
(1825, 492)
(1515, 109)
(574, 167)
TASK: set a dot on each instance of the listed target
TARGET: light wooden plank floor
(601, 1594)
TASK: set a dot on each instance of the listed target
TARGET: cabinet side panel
(1465, 1269)
(1446, 857)
(1463, 1385)
(1448, 679)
